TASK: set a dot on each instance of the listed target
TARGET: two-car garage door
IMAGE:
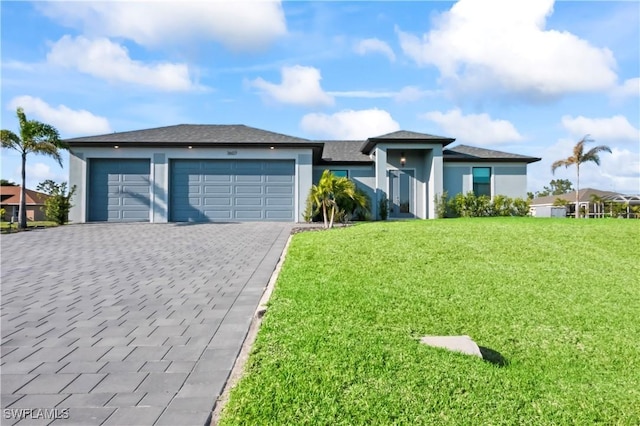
(231, 190)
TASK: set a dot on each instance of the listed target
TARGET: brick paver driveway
(128, 324)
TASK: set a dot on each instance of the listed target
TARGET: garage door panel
(279, 202)
(218, 214)
(217, 201)
(218, 189)
(246, 185)
(241, 201)
(279, 215)
(217, 178)
(248, 189)
(272, 189)
(119, 190)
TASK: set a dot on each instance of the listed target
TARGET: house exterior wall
(160, 158)
(508, 179)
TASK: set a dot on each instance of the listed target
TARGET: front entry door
(401, 198)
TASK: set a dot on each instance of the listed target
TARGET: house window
(482, 181)
(340, 173)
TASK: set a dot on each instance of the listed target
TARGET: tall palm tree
(36, 137)
(579, 157)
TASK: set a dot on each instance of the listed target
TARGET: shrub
(57, 206)
(383, 208)
(471, 206)
(441, 204)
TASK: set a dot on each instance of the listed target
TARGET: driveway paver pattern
(128, 324)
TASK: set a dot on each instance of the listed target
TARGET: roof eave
(370, 143)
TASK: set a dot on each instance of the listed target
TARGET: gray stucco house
(200, 173)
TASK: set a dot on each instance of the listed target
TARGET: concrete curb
(247, 345)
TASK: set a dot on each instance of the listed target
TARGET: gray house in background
(202, 173)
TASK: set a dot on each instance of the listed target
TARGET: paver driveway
(128, 324)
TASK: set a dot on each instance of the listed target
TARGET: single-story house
(592, 201)
(10, 202)
(200, 173)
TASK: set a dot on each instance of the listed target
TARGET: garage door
(119, 190)
(232, 190)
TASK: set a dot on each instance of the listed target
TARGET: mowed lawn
(559, 299)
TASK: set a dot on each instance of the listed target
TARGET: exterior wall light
(190, 147)
(403, 159)
(272, 147)
(116, 146)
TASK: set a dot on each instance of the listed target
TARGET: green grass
(558, 299)
(6, 226)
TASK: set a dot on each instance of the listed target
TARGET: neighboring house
(10, 201)
(199, 173)
(591, 200)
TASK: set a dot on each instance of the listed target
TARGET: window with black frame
(482, 181)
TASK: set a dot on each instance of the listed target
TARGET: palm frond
(566, 163)
(10, 140)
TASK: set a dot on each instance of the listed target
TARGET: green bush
(57, 206)
(468, 205)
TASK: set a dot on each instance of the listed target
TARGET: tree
(35, 137)
(556, 187)
(579, 157)
(4, 182)
(57, 206)
(332, 191)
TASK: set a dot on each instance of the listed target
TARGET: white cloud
(503, 45)
(239, 25)
(65, 119)
(349, 124)
(38, 172)
(300, 86)
(478, 129)
(630, 88)
(374, 45)
(412, 94)
(602, 129)
(110, 61)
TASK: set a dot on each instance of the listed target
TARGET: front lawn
(8, 226)
(559, 299)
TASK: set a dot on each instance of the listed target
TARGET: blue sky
(529, 77)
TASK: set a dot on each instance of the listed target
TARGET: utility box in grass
(549, 211)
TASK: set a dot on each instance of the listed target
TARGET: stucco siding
(455, 179)
(510, 181)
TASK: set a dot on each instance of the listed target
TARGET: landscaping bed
(557, 299)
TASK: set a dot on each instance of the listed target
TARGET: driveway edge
(247, 345)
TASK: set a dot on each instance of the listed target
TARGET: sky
(527, 77)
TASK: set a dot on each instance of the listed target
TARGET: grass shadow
(493, 357)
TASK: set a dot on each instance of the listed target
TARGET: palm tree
(579, 157)
(326, 195)
(36, 137)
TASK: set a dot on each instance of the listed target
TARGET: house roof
(583, 196)
(404, 136)
(191, 134)
(336, 151)
(344, 152)
(465, 153)
(10, 195)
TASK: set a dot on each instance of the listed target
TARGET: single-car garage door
(232, 190)
(119, 190)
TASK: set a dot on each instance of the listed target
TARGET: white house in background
(593, 201)
(208, 173)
